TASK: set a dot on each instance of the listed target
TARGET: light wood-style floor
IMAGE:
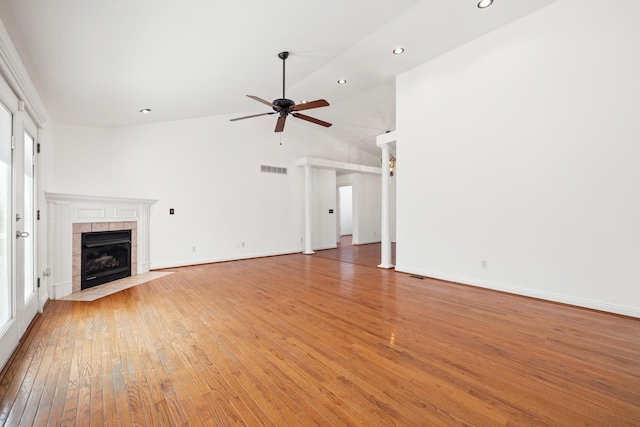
(306, 340)
(368, 255)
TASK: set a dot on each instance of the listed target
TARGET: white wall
(324, 225)
(522, 148)
(208, 170)
(367, 201)
(81, 161)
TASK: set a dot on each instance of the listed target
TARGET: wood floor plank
(66, 354)
(321, 340)
(147, 402)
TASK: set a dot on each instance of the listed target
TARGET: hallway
(366, 255)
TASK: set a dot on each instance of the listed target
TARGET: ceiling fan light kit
(285, 107)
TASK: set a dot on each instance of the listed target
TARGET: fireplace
(70, 215)
(105, 256)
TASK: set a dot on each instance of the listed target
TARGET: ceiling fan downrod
(283, 56)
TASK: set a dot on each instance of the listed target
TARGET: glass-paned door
(28, 211)
(18, 290)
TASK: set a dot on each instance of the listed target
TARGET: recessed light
(484, 3)
(398, 51)
(145, 110)
(304, 101)
(341, 81)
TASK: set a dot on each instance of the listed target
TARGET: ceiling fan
(284, 106)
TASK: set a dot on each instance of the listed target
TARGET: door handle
(20, 234)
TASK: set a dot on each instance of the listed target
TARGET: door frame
(22, 124)
(22, 312)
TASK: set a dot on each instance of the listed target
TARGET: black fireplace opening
(106, 256)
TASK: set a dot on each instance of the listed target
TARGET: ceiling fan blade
(311, 119)
(280, 123)
(308, 105)
(248, 117)
(263, 101)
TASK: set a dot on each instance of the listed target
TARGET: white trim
(386, 138)
(61, 290)
(70, 198)
(338, 166)
(547, 296)
(16, 75)
(66, 209)
(368, 242)
(203, 261)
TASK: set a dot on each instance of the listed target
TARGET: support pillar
(385, 255)
(308, 247)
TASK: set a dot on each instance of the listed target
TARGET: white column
(385, 255)
(385, 261)
(308, 247)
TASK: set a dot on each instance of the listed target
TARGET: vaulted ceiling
(97, 63)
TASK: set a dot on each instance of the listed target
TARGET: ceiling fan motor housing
(283, 106)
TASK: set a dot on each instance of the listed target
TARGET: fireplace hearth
(105, 257)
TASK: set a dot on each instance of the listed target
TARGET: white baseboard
(61, 290)
(533, 293)
(367, 242)
(143, 267)
(186, 263)
(44, 297)
(325, 248)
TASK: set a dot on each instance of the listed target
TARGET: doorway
(345, 212)
(18, 290)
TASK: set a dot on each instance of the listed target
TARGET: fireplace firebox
(106, 256)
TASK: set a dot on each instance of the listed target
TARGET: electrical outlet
(193, 248)
(484, 263)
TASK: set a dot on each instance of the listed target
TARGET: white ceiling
(97, 63)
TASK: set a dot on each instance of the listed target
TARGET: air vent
(273, 169)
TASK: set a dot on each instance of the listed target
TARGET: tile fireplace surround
(70, 215)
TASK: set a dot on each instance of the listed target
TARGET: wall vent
(273, 169)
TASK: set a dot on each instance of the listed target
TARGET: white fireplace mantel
(66, 209)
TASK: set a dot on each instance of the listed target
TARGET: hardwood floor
(305, 340)
(368, 255)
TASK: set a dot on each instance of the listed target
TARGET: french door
(18, 290)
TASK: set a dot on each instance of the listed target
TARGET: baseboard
(527, 292)
(143, 267)
(44, 298)
(61, 290)
(367, 242)
(324, 248)
(186, 263)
